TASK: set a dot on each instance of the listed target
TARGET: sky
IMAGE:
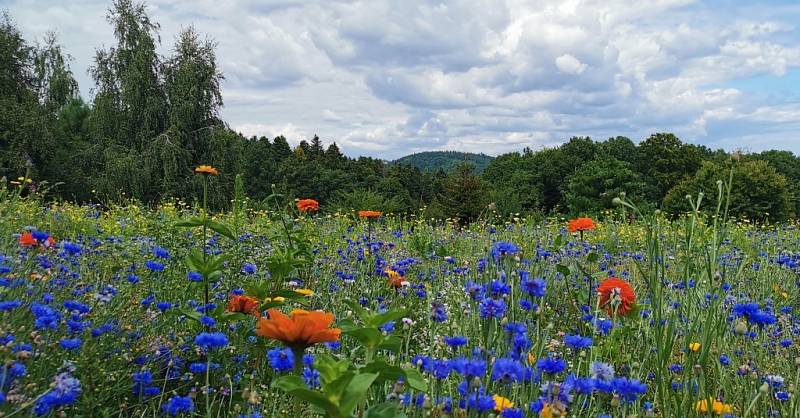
(388, 78)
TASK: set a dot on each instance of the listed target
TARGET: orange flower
(244, 304)
(307, 205)
(501, 403)
(368, 214)
(581, 224)
(27, 240)
(300, 330)
(617, 293)
(206, 169)
(396, 280)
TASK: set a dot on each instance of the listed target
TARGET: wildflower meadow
(279, 308)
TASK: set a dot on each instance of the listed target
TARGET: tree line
(153, 118)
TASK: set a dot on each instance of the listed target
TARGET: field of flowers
(277, 309)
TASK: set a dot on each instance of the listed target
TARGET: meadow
(280, 308)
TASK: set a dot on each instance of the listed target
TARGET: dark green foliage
(758, 191)
(444, 160)
(594, 186)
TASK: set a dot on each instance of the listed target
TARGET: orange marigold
(244, 304)
(307, 205)
(581, 224)
(616, 293)
(206, 169)
(368, 214)
(299, 330)
(396, 280)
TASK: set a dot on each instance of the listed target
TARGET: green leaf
(379, 320)
(222, 229)
(559, 241)
(369, 337)
(295, 386)
(563, 269)
(592, 257)
(385, 410)
(358, 310)
(392, 343)
(191, 222)
(329, 369)
(414, 380)
(195, 260)
(356, 391)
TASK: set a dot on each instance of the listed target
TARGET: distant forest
(153, 118)
(445, 160)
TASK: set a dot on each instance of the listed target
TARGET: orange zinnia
(300, 330)
(206, 169)
(617, 293)
(244, 304)
(27, 240)
(307, 205)
(581, 224)
(368, 214)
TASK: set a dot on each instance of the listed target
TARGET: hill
(446, 160)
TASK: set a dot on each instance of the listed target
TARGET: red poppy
(616, 293)
(368, 214)
(581, 224)
(307, 205)
(27, 240)
(244, 304)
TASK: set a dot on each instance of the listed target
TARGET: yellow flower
(501, 403)
(206, 169)
(546, 412)
(304, 292)
(695, 347)
(531, 358)
(717, 407)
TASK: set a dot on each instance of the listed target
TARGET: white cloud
(385, 78)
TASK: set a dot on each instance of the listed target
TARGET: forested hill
(446, 160)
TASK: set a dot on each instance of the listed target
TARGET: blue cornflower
(179, 405)
(211, 340)
(249, 268)
(534, 287)
(551, 365)
(311, 377)
(208, 321)
(456, 341)
(154, 266)
(724, 360)
(75, 306)
(628, 389)
(469, 368)
(194, 276)
(8, 305)
(508, 370)
(65, 391)
(782, 396)
(503, 248)
(602, 371)
(512, 413)
(161, 252)
(281, 360)
(70, 343)
(71, 248)
(577, 342)
(492, 308)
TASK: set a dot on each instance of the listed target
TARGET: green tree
(665, 161)
(594, 186)
(758, 192)
(464, 196)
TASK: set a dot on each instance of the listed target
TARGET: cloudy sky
(387, 78)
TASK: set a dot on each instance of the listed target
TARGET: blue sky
(387, 78)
